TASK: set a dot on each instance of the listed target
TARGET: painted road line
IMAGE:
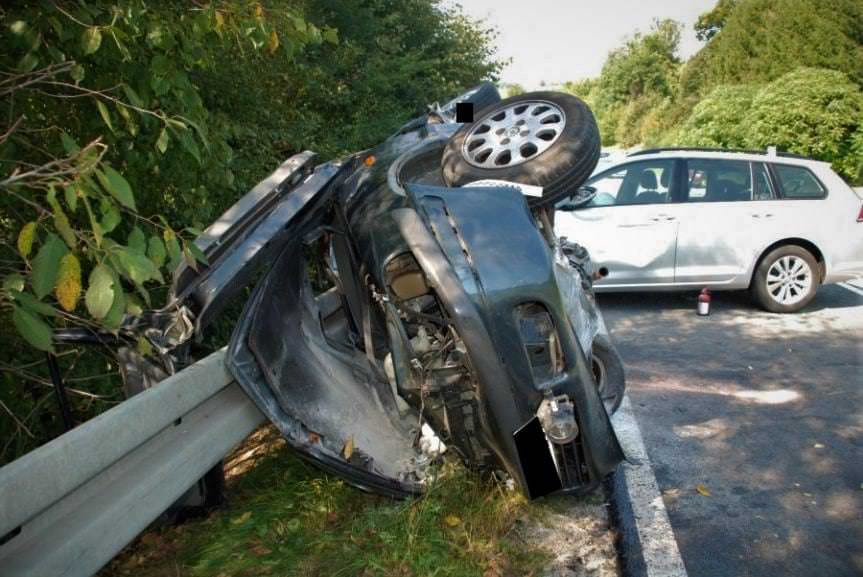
(648, 546)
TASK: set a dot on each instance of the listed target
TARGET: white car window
(645, 182)
(797, 182)
(714, 180)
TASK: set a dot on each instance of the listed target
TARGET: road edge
(646, 543)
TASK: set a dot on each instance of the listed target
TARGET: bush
(760, 40)
(810, 111)
(151, 118)
(718, 120)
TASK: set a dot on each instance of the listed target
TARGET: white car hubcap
(789, 280)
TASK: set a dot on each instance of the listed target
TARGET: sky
(559, 40)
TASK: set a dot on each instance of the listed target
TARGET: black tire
(608, 374)
(760, 289)
(560, 169)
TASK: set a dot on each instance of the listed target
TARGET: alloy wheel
(789, 280)
(515, 134)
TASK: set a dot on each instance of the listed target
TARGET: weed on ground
(285, 517)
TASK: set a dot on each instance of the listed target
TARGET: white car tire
(786, 280)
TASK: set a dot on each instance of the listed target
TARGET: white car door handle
(663, 218)
(762, 215)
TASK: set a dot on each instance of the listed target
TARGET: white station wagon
(777, 224)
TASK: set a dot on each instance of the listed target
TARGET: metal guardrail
(70, 506)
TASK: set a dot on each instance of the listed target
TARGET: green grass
(286, 517)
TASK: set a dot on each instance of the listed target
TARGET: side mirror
(579, 198)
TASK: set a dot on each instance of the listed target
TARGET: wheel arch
(793, 241)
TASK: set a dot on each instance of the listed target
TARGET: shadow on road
(764, 410)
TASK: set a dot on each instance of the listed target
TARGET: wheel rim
(514, 134)
(789, 280)
(600, 377)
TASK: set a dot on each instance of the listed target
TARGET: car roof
(770, 155)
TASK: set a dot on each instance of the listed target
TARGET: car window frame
(672, 182)
(779, 193)
(771, 184)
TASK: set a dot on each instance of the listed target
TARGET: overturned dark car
(412, 300)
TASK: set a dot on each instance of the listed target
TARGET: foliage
(646, 65)
(783, 73)
(116, 76)
(131, 124)
(710, 23)
(287, 518)
(810, 111)
(511, 89)
(764, 39)
(637, 77)
(717, 120)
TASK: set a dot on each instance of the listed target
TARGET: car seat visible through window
(648, 183)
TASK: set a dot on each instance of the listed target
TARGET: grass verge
(285, 517)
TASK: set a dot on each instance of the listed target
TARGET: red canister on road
(704, 302)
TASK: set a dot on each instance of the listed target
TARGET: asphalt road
(765, 412)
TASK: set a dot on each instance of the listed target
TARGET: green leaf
(18, 27)
(13, 282)
(137, 267)
(196, 252)
(71, 196)
(137, 241)
(331, 35)
(133, 306)
(144, 295)
(34, 330)
(33, 304)
(77, 73)
(106, 116)
(187, 140)
(162, 142)
(91, 40)
(190, 259)
(69, 144)
(117, 186)
(46, 265)
(51, 198)
(28, 62)
(94, 224)
(156, 251)
(110, 219)
(173, 246)
(114, 318)
(61, 223)
(25, 239)
(133, 96)
(100, 293)
(144, 347)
